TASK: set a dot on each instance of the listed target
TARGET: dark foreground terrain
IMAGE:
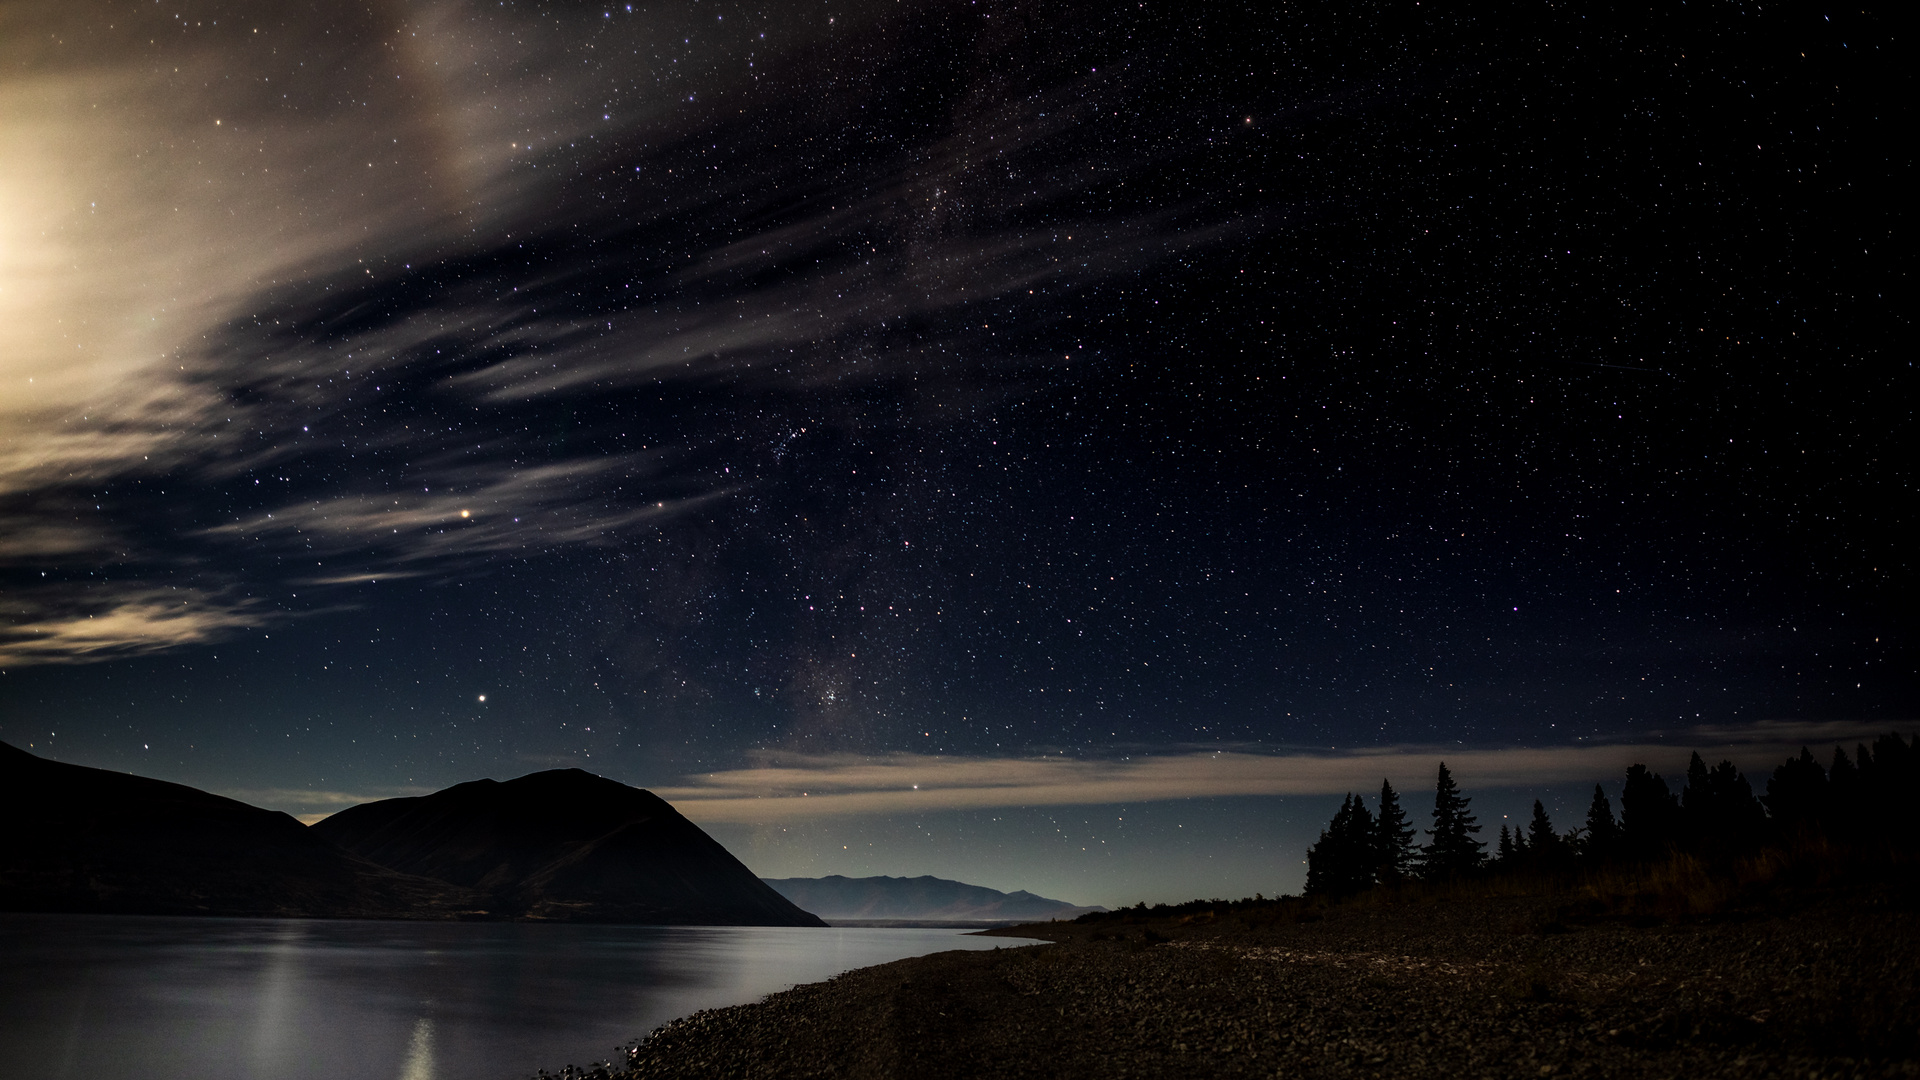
(1429, 988)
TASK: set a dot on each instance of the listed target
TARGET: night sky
(1137, 424)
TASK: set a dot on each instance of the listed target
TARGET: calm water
(266, 999)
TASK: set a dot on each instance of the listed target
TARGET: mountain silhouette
(89, 840)
(564, 844)
(918, 898)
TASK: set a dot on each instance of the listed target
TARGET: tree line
(1866, 799)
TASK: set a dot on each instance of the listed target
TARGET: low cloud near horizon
(778, 787)
(782, 787)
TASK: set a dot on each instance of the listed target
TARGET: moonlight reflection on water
(264, 999)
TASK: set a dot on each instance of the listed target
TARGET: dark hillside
(83, 839)
(565, 844)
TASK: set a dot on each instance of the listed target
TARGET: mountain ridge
(922, 898)
(90, 840)
(564, 844)
(558, 845)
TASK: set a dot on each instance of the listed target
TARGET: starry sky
(1056, 446)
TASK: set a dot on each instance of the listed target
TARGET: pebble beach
(1488, 989)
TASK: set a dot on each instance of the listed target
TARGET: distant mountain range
(560, 845)
(918, 899)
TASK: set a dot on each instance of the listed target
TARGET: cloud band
(787, 787)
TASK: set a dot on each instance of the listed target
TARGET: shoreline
(1495, 987)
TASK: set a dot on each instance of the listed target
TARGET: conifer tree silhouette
(1845, 801)
(1863, 760)
(1362, 848)
(1720, 815)
(1543, 844)
(1892, 786)
(1343, 860)
(1695, 798)
(1743, 819)
(1865, 804)
(1602, 840)
(1797, 794)
(1866, 800)
(1453, 850)
(1324, 856)
(1648, 814)
(1394, 854)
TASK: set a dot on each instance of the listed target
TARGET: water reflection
(419, 1064)
(261, 999)
(275, 1022)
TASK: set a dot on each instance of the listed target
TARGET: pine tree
(1797, 794)
(1890, 785)
(1542, 841)
(1394, 857)
(1648, 814)
(1504, 853)
(1696, 803)
(1603, 835)
(1867, 799)
(1323, 858)
(1844, 798)
(1342, 861)
(1362, 849)
(1453, 850)
(1723, 816)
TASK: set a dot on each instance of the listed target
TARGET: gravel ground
(1497, 989)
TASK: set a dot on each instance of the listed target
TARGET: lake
(280, 999)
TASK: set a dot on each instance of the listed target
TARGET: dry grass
(1678, 888)
(1683, 886)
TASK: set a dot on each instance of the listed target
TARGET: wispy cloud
(313, 341)
(784, 787)
(934, 234)
(68, 626)
(721, 327)
(38, 539)
(149, 198)
(484, 512)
